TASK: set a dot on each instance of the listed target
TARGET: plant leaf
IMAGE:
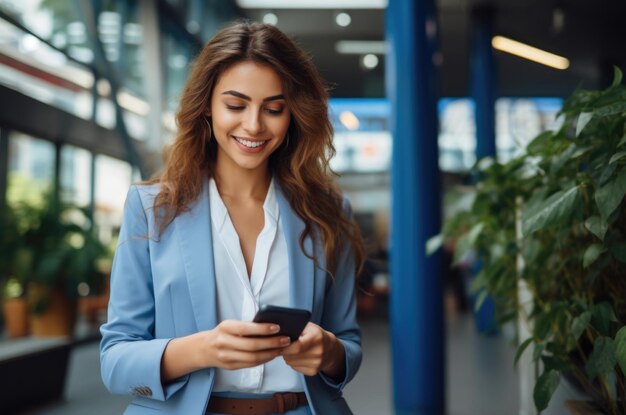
(480, 300)
(583, 120)
(596, 226)
(617, 156)
(551, 362)
(617, 76)
(620, 348)
(521, 348)
(602, 316)
(555, 210)
(580, 323)
(592, 253)
(609, 196)
(612, 109)
(618, 250)
(466, 242)
(434, 244)
(538, 144)
(602, 359)
(544, 388)
(559, 160)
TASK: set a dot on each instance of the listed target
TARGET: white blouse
(239, 297)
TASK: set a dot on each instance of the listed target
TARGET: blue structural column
(416, 312)
(483, 81)
(483, 88)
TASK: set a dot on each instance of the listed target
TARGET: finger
(253, 344)
(235, 359)
(249, 328)
(312, 333)
(306, 370)
(293, 349)
(295, 361)
(312, 356)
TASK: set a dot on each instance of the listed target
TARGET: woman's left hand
(316, 350)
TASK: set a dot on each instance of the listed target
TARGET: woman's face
(250, 116)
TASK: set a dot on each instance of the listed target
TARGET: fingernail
(285, 340)
(274, 328)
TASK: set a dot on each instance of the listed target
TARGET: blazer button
(142, 391)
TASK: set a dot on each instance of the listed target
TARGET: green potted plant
(553, 220)
(14, 306)
(63, 252)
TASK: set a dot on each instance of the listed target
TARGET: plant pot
(57, 318)
(15, 316)
(582, 408)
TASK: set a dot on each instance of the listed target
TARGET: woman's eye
(234, 107)
(273, 111)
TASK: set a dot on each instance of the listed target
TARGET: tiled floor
(480, 380)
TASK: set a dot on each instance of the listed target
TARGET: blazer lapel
(301, 268)
(193, 229)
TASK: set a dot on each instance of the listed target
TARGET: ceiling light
(370, 61)
(349, 120)
(270, 18)
(558, 20)
(312, 4)
(193, 27)
(104, 87)
(360, 47)
(343, 19)
(529, 52)
(132, 103)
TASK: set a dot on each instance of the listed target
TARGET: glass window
(113, 178)
(519, 120)
(39, 71)
(31, 168)
(457, 134)
(177, 55)
(75, 175)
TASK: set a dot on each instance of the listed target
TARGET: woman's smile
(249, 145)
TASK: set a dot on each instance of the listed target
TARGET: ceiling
(592, 37)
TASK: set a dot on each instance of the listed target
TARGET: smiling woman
(250, 117)
(244, 214)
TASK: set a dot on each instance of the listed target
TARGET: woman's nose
(252, 122)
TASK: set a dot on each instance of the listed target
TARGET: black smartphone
(291, 320)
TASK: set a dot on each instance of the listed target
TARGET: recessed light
(343, 19)
(370, 61)
(270, 18)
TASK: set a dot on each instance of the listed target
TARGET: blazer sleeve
(130, 355)
(339, 314)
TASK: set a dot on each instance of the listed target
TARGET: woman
(244, 214)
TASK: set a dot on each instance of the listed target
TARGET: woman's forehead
(252, 79)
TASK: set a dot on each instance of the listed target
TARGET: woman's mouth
(250, 145)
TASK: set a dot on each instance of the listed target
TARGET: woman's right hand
(231, 345)
(240, 344)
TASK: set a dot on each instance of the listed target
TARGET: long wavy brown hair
(301, 164)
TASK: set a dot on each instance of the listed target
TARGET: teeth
(251, 144)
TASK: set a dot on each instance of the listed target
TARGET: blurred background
(88, 94)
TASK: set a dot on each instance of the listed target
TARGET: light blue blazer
(162, 288)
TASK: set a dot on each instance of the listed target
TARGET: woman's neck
(238, 183)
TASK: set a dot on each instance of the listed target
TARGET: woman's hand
(239, 344)
(231, 345)
(316, 350)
